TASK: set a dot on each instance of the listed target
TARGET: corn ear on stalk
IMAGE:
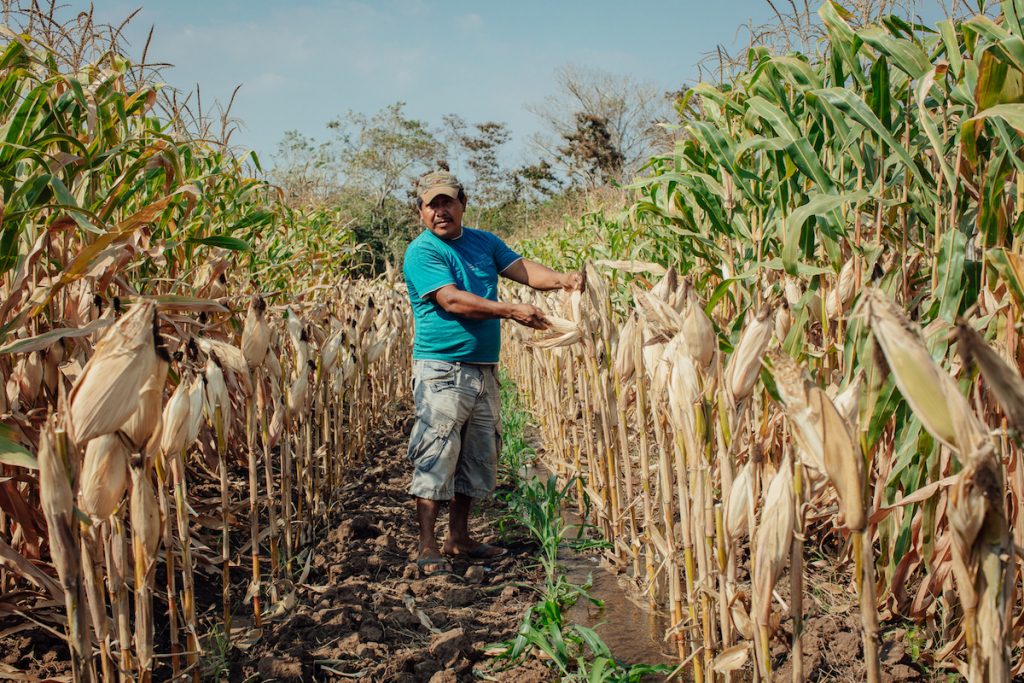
(104, 476)
(255, 333)
(774, 535)
(745, 363)
(104, 397)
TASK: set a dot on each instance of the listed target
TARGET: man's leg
(426, 512)
(476, 473)
(459, 542)
(458, 521)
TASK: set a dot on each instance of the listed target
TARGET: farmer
(452, 276)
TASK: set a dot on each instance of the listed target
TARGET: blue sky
(305, 62)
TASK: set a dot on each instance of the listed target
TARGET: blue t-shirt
(471, 262)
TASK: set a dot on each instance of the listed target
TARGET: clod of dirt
(449, 645)
(359, 526)
(460, 597)
(426, 669)
(447, 676)
(281, 668)
(475, 574)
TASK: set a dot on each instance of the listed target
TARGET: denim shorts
(456, 439)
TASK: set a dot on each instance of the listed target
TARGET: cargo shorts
(456, 439)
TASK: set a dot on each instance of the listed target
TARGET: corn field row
(840, 363)
(696, 469)
(188, 372)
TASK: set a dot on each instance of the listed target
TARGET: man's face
(443, 216)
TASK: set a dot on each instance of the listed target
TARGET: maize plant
(779, 342)
(188, 370)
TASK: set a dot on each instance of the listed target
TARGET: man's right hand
(528, 315)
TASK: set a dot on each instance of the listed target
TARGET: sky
(305, 62)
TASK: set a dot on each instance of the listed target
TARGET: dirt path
(363, 612)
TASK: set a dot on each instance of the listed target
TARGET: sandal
(481, 553)
(442, 562)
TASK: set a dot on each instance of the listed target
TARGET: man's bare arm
(468, 305)
(538, 276)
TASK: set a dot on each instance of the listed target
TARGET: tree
(384, 153)
(307, 171)
(535, 181)
(630, 112)
(591, 151)
(477, 147)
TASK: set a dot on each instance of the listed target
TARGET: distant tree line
(598, 130)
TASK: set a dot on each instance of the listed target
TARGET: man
(451, 272)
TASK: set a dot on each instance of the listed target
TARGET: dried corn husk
(701, 341)
(217, 395)
(231, 361)
(51, 365)
(329, 352)
(273, 366)
(625, 360)
(774, 535)
(1004, 381)
(58, 508)
(556, 339)
(174, 436)
(684, 390)
(928, 390)
(143, 422)
(841, 295)
(297, 395)
(739, 505)
(196, 394)
(104, 397)
(847, 402)
(596, 289)
(783, 322)
(366, 317)
(255, 333)
(104, 476)
(823, 436)
(666, 286)
(29, 373)
(377, 349)
(745, 363)
(145, 513)
(662, 321)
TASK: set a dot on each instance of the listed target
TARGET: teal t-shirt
(471, 262)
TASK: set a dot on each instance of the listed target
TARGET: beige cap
(437, 183)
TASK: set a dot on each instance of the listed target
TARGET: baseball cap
(437, 183)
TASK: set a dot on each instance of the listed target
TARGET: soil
(362, 612)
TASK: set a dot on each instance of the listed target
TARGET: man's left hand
(573, 281)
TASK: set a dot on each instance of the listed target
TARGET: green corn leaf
(13, 453)
(952, 45)
(818, 205)
(222, 241)
(930, 127)
(848, 103)
(905, 54)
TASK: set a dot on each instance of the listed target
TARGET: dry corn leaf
(731, 658)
